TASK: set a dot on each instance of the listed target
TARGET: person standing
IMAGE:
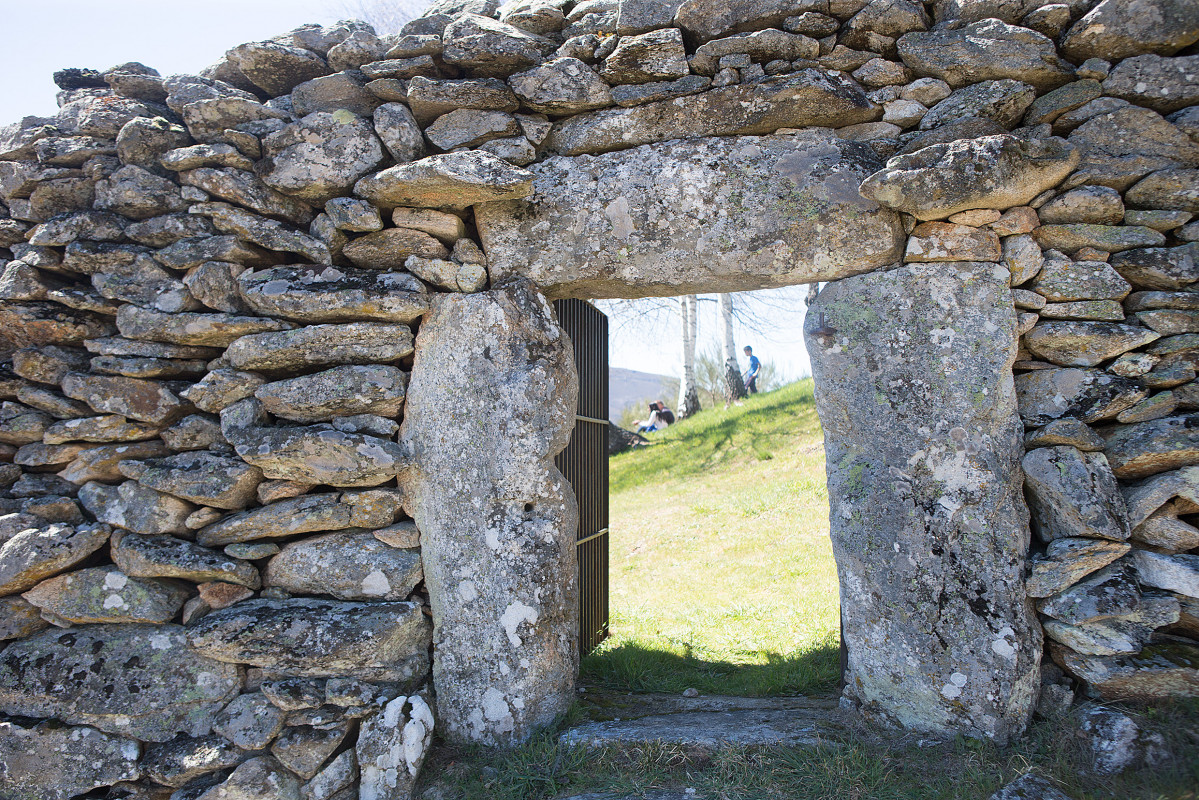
(751, 375)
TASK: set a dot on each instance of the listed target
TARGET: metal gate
(584, 462)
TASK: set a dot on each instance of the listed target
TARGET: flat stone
(564, 86)
(138, 194)
(1085, 311)
(317, 638)
(1022, 256)
(449, 180)
(251, 722)
(341, 391)
(352, 214)
(259, 778)
(323, 345)
(246, 189)
(1084, 344)
(446, 228)
(321, 455)
(1003, 171)
(1159, 220)
(1164, 530)
(1147, 448)
(221, 388)
(100, 463)
(765, 45)
(1170, 322)
(640, 94)
(207, 119)
(985, 50)
(1097, 205)
(204, 478)
(105, 594)
(1161, 268)
(1062, 100)
(183, 759)
(429, 98)
(807, 98)
(36, 553)
(19, 618)
(708, 19)
(654, 56)
(331, 294)
(1146, 497)
(1167, 189)
(1003, 102)
(280, 519)
(348, 566)
(1065, 431)
(267, 233)
(340, 774)
(143, 400)
(614, 201)
(321, 156)
(1110, 636)
(137, 680)
(388, 249)
(1110, 592)
(1063, 281)
(304, 749)
(485, 47)
(136, 508)
(1121, 146)
(192, 252)
(1158, 672)
(168, 557)
(1029, 787)
(1069, 560)
(138, 367)
(710, 729)
(1108, 238)
(277, 68)
(1162, 84)
(205, 155)
(943, 241)
(1174, 573)
(1116, 29)
(40, 323)
(1162, 404)
(392, 746)
(208, 330)
(1072, 493)
(54, 762)
(967, 662)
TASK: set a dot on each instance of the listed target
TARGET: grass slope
(722, 577)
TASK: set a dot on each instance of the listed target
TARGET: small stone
(136, 508)
(1164, 530)
(388, 249)
(1162, 84)
(429, 99)
(1016, 221)
(1174, 573)
(259, 778)
(654, 56)
(352, 214)
(1163, 221)
(319, 455)
(485, 47)
(218, 594)
(105, 594)
(941, 241)
(1069, 560)
(251, 551)
(1158, 672)
(1162, 268)
(181, 760)
(295, 694)
(1109, 238)
(246, 189)
(209, 330)
(392, 746)
(1110, 592)
(1085, 344)
(1066, 431)
(448, 275)
(1029, 787)
(1176, 189)
(1085, 310)
(19, 618)
(1072, 493)
(303, 749)
(1099, 205)
(1115, 741)
(349, 566)
(1063, 281)
(221, 388)
(1170, 322)
(268, 233)
(250, 722)
(402, 535)
(323, 345)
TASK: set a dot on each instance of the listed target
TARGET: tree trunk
(688, 391)
(734, 386)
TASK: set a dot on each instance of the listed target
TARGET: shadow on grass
(634, 667)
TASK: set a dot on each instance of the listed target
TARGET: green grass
(722, 577)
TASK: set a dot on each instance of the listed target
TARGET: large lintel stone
(929, 526)
(710, 215)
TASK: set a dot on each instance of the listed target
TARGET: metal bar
(595, 420)
(595, 535)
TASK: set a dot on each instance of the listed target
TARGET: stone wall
(229, 552)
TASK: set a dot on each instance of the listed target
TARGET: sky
(184, 37)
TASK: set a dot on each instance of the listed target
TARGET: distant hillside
(627, 387)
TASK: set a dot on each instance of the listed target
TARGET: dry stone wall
(222, 292)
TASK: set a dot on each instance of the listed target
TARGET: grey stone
(221, 388)
(944, 241)
(429, 98)
(1146, 497)
(485, 47)
(1084, 344)
(317, 638)
(654, 56)
(453, 180)
(209, 118)
(105, 594)
(206, 330)
(807, 98)
(323, 345)
(1121, 146)
(640, 94)
(268, 233)
(317, 454)
(564, 86)
(763, 46)
(321, 156)
(708, 19)
(169, 557)
(53, 762)
(1167, 189)
(183, 759)
(19, 618)
(1116, 29)
(340, 774)
(277, 68)
(1175, 573)
(979, 673)
(282, 518)
(348, 566)
(342, 90)
(1003, 102)
(36, 553)
(399, 132)
(137, 680)
(1099, 205)
(341, 391)
(1104, 238)
(304, 749)
(1068, 560)
(352, 214)
(389, 248)
(1160, 268)
(613, 218)
(251, 722)
(1072, 493)
(143, 400)
(204, 478)
(49, 323)
(136, 508)
(501, 619)
(331, 294)
(246, 189)
(1029, 787)
(1062, 100)
(882, 20)
(1003, 171)
(986, 50)
(391, 748)
(1165, 531)
(100, 463)
(1147, 448)
(137, 194)
(1163, 84)
(205, 155)
(1110, 592)
(259, 778)
(1066, 431)
(1159, 671)
(1062, 281)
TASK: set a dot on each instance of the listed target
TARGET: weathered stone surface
(221, 388)
(348, 566)
(1159, 671)
(168, 557)
(765, 217)
(340, 774)
(1004, 102)
(329, 294)
(302, 749)
(1147, 448)
(318, 638)
(205, 155)
(1116, 29)
(268, 233)
(194, 251)
(320, 455)
(449, 180)
(708, 19)
(944, 241)
(133, 679)
(1068, 560)
(259, 778)
(19, 618)
(136, 508)
(282, 518)
(37, 553)
(204, 478)
(1098, 205)
(246, 189)
(321, 156)
(765, 45)
(1066, 431)
(52, 762)
(208, 330)
(392, 746)
(1072, 493)
(208, 119)
(1048, 107)
(100, 463)
(179, 761)
(143, 400)
(991, 172)
(429, 99)
(1146, 497)
(1123, 145)
(986, 50)
(251, 721)
(1105, 238)
(1174, 573)
(1029, 787)
(1063, 281)
(1110, 636)
(341, 391)
(807, 98)
(135, 193)
(508, 339)
(1163, 84)
(977, 668)
(105, 594)
(388, 249)
(1085, 344)
(1164, 530)
(1110, 592)
(1167, 189)
(323, 345)
(1159, 267)
(277, 68)
(564, 86)
(39, 323)
(485, 47)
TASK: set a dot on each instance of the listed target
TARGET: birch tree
(733, 384)
(688, 390)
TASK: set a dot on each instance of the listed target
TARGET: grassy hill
(722, 577)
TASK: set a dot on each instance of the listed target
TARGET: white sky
(43, 36)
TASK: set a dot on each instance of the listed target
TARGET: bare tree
(688, 392)
(385, 16)
(733, 384)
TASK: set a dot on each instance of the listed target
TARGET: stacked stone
(212, 284)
